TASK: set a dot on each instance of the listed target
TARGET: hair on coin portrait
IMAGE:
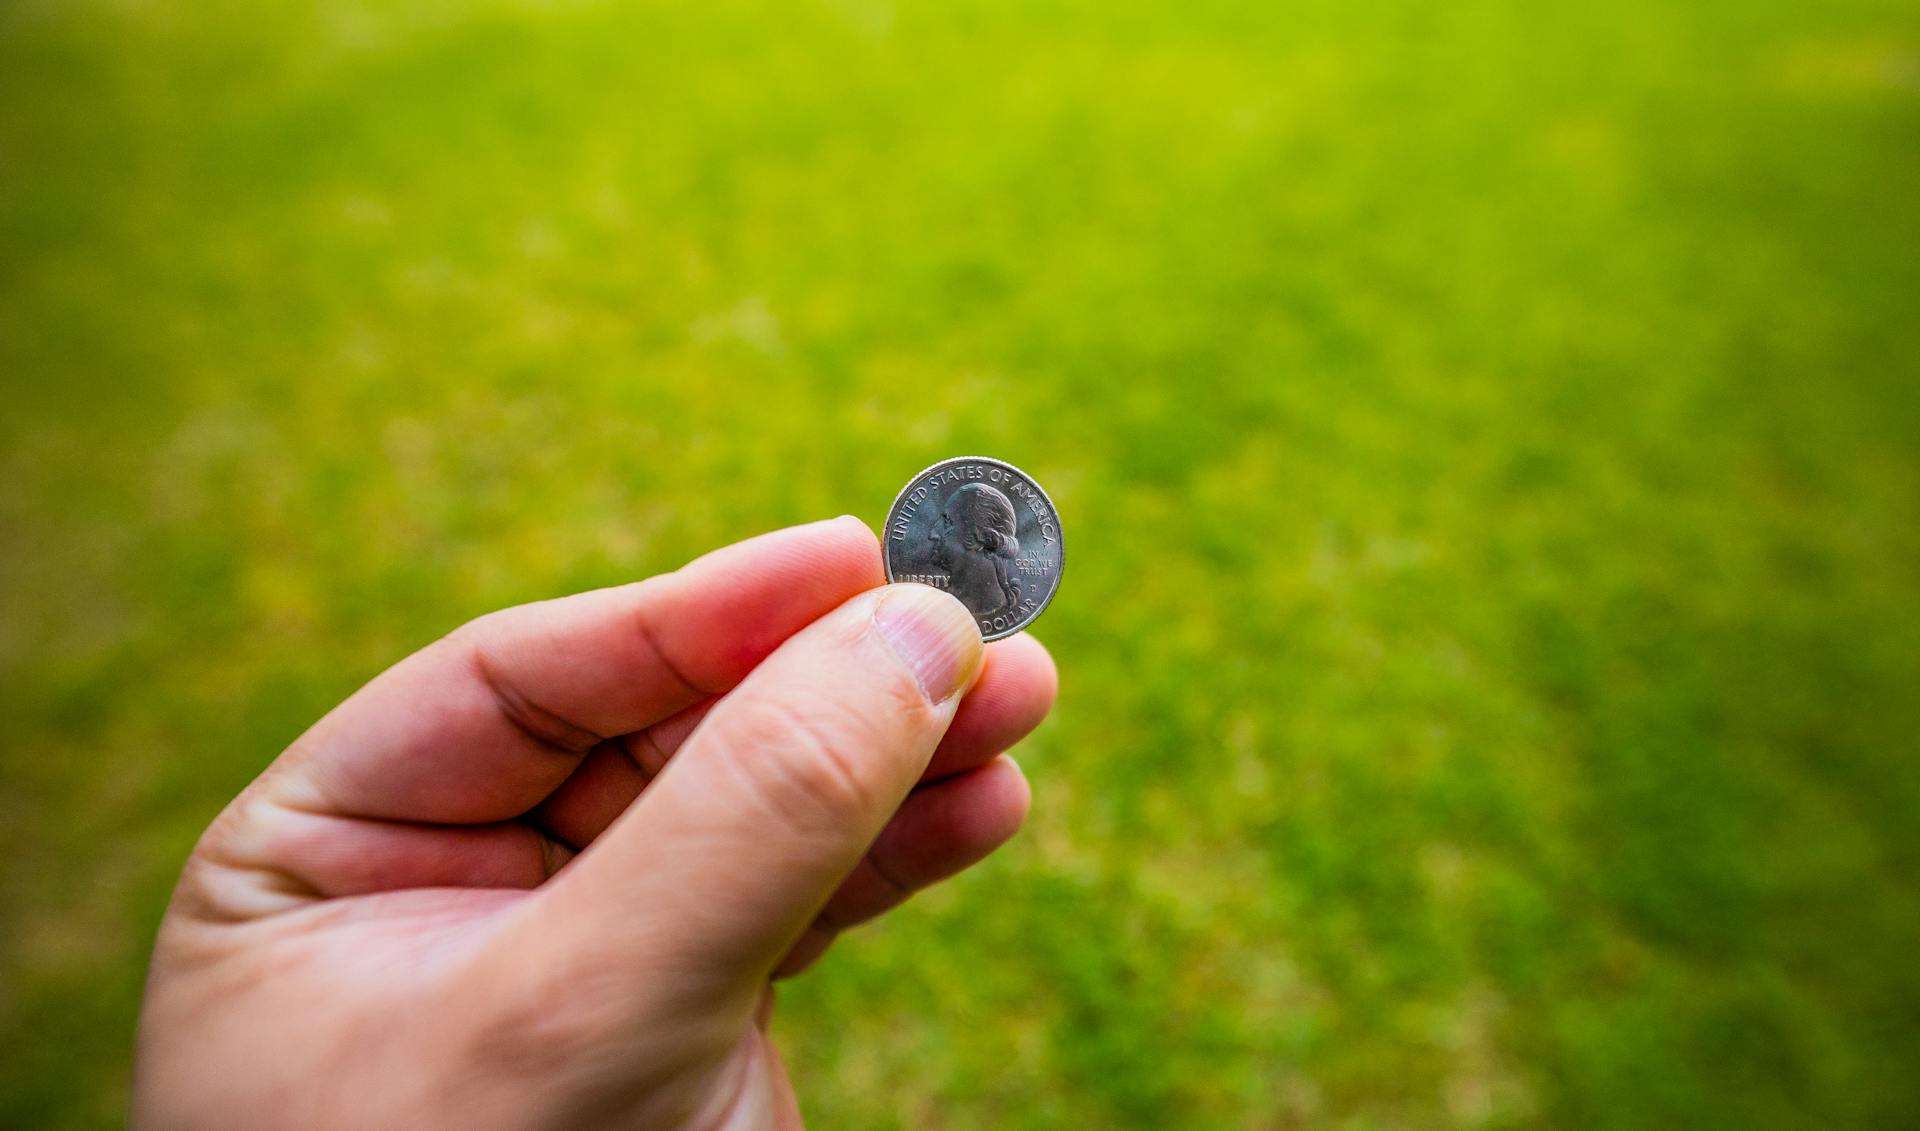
(977, 542)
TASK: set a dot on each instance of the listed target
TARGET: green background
(1486, 433)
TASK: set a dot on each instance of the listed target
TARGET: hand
(541, 873)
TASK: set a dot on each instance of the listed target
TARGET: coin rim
(886, 555)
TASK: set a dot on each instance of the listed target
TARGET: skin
(544, 872)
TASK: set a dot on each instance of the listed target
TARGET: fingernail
(934, 635)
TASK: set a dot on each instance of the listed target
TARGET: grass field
(1487, 434)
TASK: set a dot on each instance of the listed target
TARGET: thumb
(719, 866)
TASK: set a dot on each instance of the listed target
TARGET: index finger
(483, 724)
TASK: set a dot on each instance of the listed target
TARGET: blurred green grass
(1486, 432)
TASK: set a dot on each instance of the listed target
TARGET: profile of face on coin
(982, 530)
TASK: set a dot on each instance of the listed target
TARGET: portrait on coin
(976, 541)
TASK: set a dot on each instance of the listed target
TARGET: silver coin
(982, 530)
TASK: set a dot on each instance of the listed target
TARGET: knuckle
(814, 764)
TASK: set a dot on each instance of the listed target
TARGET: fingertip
(1016, 689)
(842, 552)
(1004, 798)
(934, 635)
(854, 519)
(858, 536)
(1027, 662)
(940, 831)
(952, 825)
(742, 601)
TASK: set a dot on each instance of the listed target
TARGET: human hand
(541, 873)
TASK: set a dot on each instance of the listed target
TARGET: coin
(982, 530)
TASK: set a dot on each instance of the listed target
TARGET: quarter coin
(982, 530)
